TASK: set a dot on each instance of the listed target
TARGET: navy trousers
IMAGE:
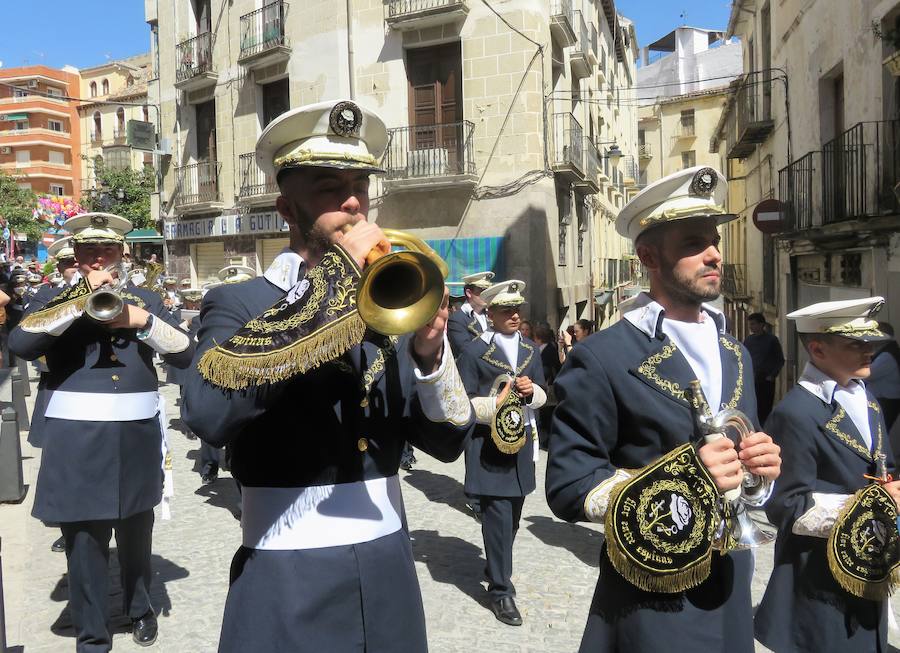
(499, 524)
(87, 554)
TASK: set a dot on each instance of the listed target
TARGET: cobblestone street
(555, 566)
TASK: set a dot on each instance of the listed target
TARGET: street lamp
(102, 198)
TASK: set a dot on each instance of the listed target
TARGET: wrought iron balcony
(120, 136)
(751, 115)
(430, 156)
(591, 182)
(254, 182)
(734, 281)
(263, 41)
(684, 130)
(645, 151)
(194, 62)
(800, 190)
(416, 14)
(568, 142)
(578, 57)
(631, 171)
(198, 186)
(860, 172)
(562, 22)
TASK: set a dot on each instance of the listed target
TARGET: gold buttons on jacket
(362, 444)
(115, 377)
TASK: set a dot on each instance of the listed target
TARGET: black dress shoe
(208, 479)
(59, 546)
(506, 611)
(143, 630)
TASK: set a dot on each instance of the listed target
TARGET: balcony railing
(631, 171)
(751, 115)
(800, 190)
(96, 139)
(568, 142)
(194, 57)
(645, 151)
(685, 129)
(562, 22)
(734, 281)
(263, 29)
(860, 171)
(421, 13)
(198, 183)
(120, 136)
(581, 66)
(591, 181)
(254, 181)
(430, 151)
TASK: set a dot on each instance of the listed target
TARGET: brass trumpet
(732, 423)
(105, 303)
(400, 292)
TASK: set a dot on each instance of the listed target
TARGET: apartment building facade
(814, 124)
(113, 93)
(40, 135)
(500, 130)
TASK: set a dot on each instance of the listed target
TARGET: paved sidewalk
(555, 566)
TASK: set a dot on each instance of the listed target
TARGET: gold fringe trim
(234, 372)
(672, 583)
(872, 591)
(45, 319)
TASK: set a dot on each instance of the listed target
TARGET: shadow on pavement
(164, 570)
(453, 561)
(221, 493)
(583, 543)
(175, 424)
(439, 488)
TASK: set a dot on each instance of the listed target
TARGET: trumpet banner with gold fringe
(508, 426)
(315, 323)
(864, 545)
(65, 306)
(661, 524)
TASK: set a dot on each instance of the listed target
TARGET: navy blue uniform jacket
(622, 405)
(804, 609)
(97, 470)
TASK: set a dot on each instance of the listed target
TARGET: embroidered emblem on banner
(314, 324)
(661, 524)
(864, 546)
(508, 425)
(68, 304)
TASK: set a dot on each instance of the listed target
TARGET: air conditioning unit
(32, 83)
(6, 149)
(3, 117)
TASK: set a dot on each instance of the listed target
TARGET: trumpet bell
(746, 532)
(400, 292)
(104, 305)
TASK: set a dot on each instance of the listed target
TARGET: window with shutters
(688, 159)
(435, 104)
(23, 156)
(209, 258)
(57, 157)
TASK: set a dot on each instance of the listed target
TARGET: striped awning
(469, 255)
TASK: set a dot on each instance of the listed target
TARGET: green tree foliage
(134, 186)
(17, 207)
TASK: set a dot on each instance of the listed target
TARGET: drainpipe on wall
(350, 51)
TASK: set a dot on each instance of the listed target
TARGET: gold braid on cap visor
(678, 214)
(869, 328)
(310, 158)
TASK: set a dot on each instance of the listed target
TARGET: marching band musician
(834, 443)
(102, 464)
(325, 563)
(470, 321)
(500, 467)
(623, 406)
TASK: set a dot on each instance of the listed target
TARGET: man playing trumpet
(102, 463)
(623, 404)
(316, 413)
